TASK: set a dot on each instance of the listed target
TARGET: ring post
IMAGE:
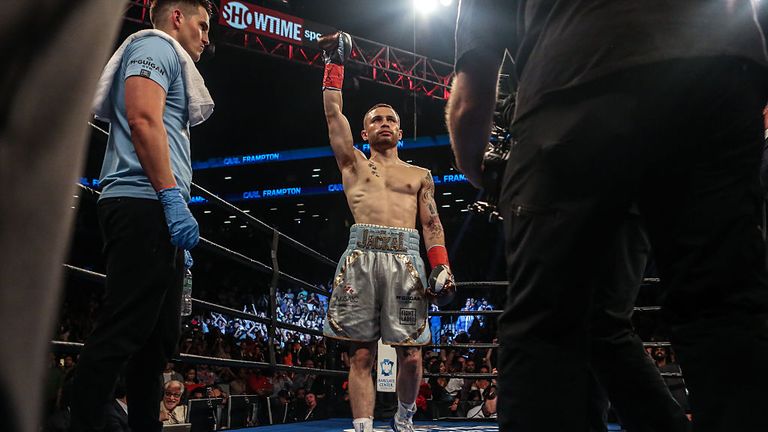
(273, 297)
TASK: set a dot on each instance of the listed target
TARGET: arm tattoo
(434, 226)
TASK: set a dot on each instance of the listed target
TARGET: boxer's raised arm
(336, 49)
(339, 132)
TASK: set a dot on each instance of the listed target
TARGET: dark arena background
(274, 221)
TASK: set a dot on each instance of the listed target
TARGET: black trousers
(624, 373)
(683, 140)
(138, 327)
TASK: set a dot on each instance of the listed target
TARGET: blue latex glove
(188, 262)
(183, 227)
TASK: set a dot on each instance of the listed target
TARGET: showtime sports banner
(269, 23)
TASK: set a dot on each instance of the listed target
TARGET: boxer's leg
(361, 392)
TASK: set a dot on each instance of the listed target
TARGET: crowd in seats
(253, 396)
(452, 396)
(480, 328)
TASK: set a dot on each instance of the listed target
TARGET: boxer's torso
(383, 193)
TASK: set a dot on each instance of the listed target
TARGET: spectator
(298, 400)
(170, 374)
(342, 409)
(310, 410)
(69, 364)
(259, 383)
(282, 410)
(675, 384)
(439, 392)
(434, 324)
(281, 382)
(454, 385)
(215, 391)
(473, 396)
(455, 409)
(424, 394)
(469, 367)
(481, 383)
(299, 354)
(54, 380)
(205, 376)
(488, 408)
(237, 387)
(321, 355)
(190, 381)
(464, 322)
(171, 411)
(117, 412)
(198, 393)
(310, 382)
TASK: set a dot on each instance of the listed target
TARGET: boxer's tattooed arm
(431, 220)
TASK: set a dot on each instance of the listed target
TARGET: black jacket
(116, 418)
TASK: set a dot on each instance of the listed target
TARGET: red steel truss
(376, 62)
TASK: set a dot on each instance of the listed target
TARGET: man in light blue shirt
(145, 221)
(122, 174)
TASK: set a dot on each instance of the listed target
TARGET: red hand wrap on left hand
(437, 255)
(333, 77)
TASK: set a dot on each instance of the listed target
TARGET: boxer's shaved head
(381, 127)
(379, 105)
(160, 8)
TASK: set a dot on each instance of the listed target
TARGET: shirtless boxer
(380, 288)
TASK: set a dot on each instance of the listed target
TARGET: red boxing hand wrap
(437, 255)
(333, 77)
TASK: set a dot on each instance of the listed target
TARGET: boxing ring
(280, 279)
(380, 426)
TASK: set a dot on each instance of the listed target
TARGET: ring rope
(657, 344)
(480, 345)
(475, 284)
(466, 312)
(646, 281)
(469, 375)
(250, 262)
(99, 277)
(75, 347)
(294, 327)
(91, 275)
(259, 266)
(98, 129)
(231, 312)
(267, 321)
(647, 308)
(257, 223)
(499, 311)
(496, 345)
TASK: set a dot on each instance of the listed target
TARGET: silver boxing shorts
(378, 291)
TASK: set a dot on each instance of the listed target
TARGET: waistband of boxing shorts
(384, 239)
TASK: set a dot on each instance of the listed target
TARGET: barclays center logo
(386, 367)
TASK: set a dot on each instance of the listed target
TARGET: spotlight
(425, 6)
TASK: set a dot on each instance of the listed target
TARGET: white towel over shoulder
(199, 100)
